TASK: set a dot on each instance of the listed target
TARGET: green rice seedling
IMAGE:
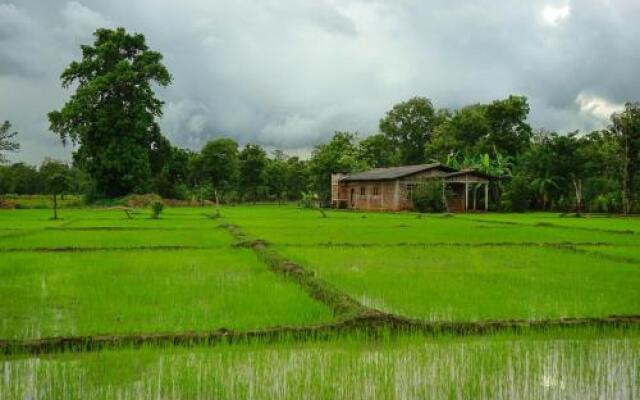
(476, 283)
(553, 364)
(130, 292)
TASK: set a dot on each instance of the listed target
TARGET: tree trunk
(444, 196)
(55, 206)
(215, 194)
(577, 184)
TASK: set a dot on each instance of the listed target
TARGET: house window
(411, 187)
(376, 191)
(363, 190)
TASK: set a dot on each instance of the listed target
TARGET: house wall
(394, 195)
(391, 195)
(378, 195)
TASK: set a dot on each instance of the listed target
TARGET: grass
(40, 201)
(54, 239)
(621, 253)
(587, 221)
(553, 364)
(433, 267)
(289, 226)
(119, 292)
(477, 283)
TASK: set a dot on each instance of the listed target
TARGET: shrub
(428, 197)
(518, 195)
(156, 209)
(308, 200)
(606, 203)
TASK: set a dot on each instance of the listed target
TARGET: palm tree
(544, 186)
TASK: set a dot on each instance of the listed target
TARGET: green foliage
(7, 141)
(202, 193)
(509, 133)
(156, 209)
(338, 156)
(297, 178)
(112, 114)
(429, 197)
(496, 128)
(171, 182)
(275, 175)
(58, 183)
(378, 151)
(409, 126)
(308, 200)
(518, 195)
(253, 161)
(626, 127)
(217, 165)
(20, 178)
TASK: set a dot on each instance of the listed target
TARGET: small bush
(518, 195)
(156, 209)
(428, 197)
(308, 200)
(606, 203)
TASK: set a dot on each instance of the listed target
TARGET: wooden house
(392, 188)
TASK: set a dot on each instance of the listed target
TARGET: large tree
(497, 128)
(7, 141)
(217, 165)
(253, 161)
(626, 126)
(112, 114)
(275, 175)
(459, 133)
(378, 151)
(508, 133)
(337, 156)
(409, 126)
(297, 178)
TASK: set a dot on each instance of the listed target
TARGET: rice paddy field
(279, 302)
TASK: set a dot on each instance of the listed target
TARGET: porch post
(396, 195)
(475, 195)
(486, 196)
(466, 195)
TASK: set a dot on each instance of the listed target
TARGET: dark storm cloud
(287, 73)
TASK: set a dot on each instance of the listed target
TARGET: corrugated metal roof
(381, 174)
(469, 171)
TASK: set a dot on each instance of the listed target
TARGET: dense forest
(112, 118)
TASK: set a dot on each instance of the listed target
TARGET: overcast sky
(287, 73)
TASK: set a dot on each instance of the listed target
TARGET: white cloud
(81, 21)
(288, 73)
(553, 15)
(596, 106)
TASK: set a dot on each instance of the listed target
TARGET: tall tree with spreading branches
(112, 114)
(7, 142)
(626, 126)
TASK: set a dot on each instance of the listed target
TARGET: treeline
(22, 179)
(535, 170)
(112, 119)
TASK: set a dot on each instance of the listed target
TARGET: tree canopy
(112, 113)
(7, 141)
(409, 126)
